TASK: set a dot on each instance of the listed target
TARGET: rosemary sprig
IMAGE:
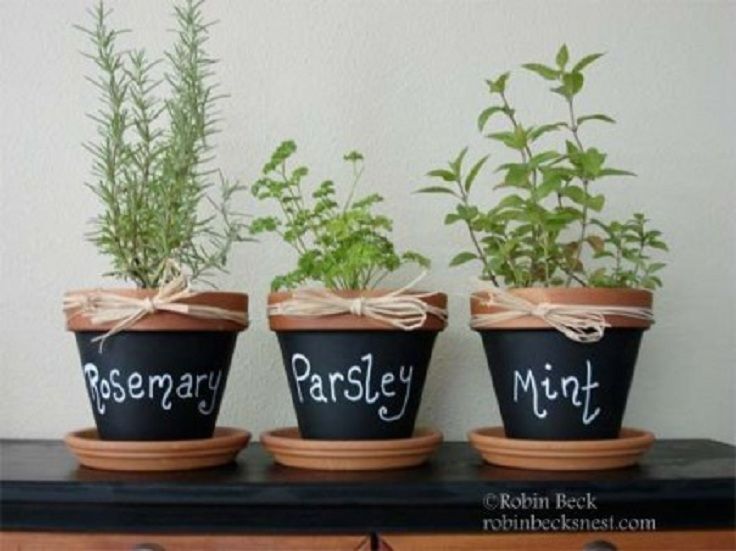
(152, 156)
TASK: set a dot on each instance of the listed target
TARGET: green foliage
(543, 231)
(153, 178)
(343, 246)
(628, 245)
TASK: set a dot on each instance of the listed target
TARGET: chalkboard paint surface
(148, 385)
(552, 388)
(355, 385)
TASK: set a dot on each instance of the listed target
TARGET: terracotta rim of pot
(597, 296)
(351, 322)
(166, 321)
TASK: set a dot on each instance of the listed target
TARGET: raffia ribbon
(401, 308)
(102, 307)
(584, 323)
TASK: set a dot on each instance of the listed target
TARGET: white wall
(403, 82)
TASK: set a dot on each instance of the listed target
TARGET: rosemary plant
(151, 156)
(544, 230)
(342, 246)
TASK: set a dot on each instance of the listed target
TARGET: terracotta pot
(352, 377)
(162, 378)
(550, 387)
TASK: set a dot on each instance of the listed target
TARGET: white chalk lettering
(570, 388)
(334, 377)
(550, 394)
(383, 410)
(297, 377)
(185, 388)
(135, 387)
(164, 381)
(118, 392)
(526, 384)
(164, 389)
(201, 378)
(213, 383)
(104, 389)
(92, 375)
(588, 417)
(566, 383)
(368, 359)
(356, 384)
(316, 391)
(386, 380)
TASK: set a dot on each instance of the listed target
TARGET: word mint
(545, 392)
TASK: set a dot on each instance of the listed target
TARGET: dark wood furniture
(685, 488)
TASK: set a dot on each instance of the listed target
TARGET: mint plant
(151, 159)
(545, 230)
(341, 245)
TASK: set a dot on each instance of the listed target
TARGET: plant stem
(584, 221)
(526, 155)
(357, 173)
(574, 276)
(287, 212)
(526, 152)
(640, 256)
(481, 254)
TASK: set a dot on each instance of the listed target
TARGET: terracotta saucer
(290, 449)
(561, 455)
(168, 455)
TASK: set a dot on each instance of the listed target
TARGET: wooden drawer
(715, 540)
(26, 541)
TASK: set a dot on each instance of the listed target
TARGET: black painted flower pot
(352, 378)
(550, 387)
(164, 377)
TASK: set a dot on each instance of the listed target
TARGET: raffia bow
(401, 308)
(584, 323)
(102, 307)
